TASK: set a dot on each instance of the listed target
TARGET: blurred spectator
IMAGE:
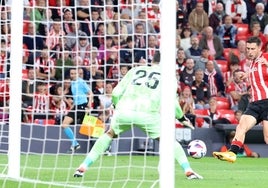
(123, 70)
(108, 12)
(93, 24)
(256, 31)
(236, 89)
(241, 46)
(112, 65)
(153, 14)
(237, 9)
(198, 19)
(55, 34)
(60, 105)
(57, 9)
(116, 27)
(126, 52)
(212, 42)
(233, 66)
(82, 47)
(57, 51)
(227, 33)
(45, 66)
(139, 43)
(181, 17)
(82, 11)
(75, 31)
(63, 63)
(178, 41)
(200, 90)
(187, 74)
(4, 60)
(67, 21)
(32, 40)
(28, 88)
(245, 151)
(106, 97)
(95, 65)
(214, 115)
(98, 89)
(99, 35)
(186, 37)
(214, 80)
(152, 47)
(260, 16)
(180, 60)
(38, 14)
(41, 101)
(186, 101)
(204, 58)
(147, 24)
(194, 51)
(216, 19)
(105, 50)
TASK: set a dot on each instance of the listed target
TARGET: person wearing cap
(67, 21)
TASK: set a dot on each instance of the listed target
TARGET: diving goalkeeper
(137, 102)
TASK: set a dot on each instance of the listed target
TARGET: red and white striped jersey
(258, 78)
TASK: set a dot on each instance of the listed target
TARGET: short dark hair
(256, 40)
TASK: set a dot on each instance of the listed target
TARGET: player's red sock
(235, 146)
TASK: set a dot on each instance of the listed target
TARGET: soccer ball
(197, 149)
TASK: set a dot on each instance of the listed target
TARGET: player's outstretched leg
(181, 158)
(98, 149)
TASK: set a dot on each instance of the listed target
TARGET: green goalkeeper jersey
(140, 91)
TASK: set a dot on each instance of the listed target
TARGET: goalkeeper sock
(181, 158)
(98, 149)
(70, 134)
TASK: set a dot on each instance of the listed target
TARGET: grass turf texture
(49, 169)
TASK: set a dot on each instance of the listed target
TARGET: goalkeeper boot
(225, 156)
(193, 175)
(74, 148)
(79, 173)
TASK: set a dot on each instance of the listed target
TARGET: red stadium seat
(223, 64)
(265, 55)
(227, 51)
(222, 103)
(242, 31)
(228, 114)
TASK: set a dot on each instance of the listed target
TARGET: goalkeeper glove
(186, 122)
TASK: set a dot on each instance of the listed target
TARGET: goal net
(102, 40)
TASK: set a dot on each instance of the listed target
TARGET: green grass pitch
(132, 172)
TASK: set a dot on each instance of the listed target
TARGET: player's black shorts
(258, 109)
(77, 113)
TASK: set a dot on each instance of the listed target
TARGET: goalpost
(34, 152)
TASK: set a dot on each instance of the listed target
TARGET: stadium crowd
(105, 38)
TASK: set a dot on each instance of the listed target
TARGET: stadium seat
(228, 114)
(265, 55)
(242, 31)
(223, 65)
(222, 103)
(227, 51)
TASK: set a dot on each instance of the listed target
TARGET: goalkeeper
(137, 102)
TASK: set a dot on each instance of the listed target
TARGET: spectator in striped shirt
(257, 110)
